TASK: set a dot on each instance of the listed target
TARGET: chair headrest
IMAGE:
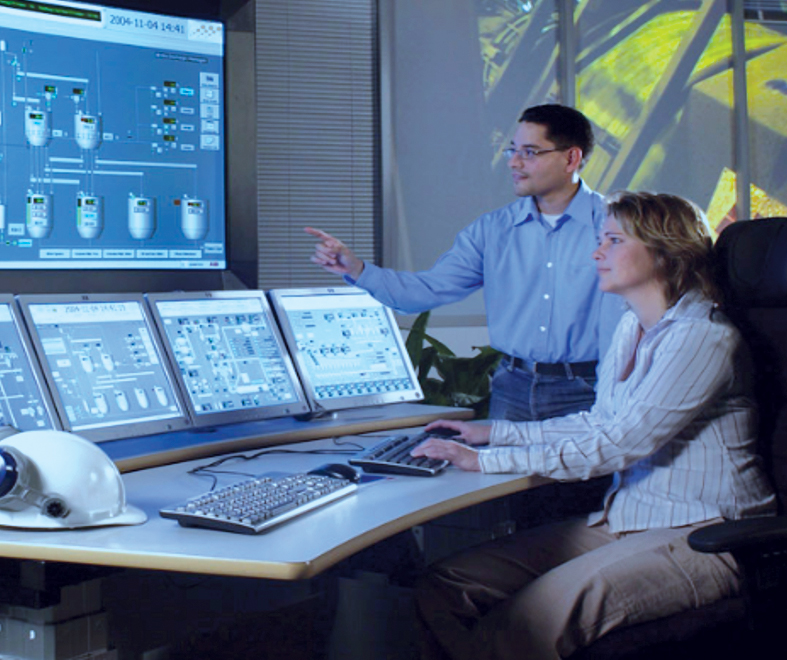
(751, 263)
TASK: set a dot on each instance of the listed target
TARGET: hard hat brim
(33, 519)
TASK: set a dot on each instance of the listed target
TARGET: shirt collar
(580, 207)
(692, 305)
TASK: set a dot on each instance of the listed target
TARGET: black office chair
(751, 262)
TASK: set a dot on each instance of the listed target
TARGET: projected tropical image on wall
(656, 80)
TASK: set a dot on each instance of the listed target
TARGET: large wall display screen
(111, 139)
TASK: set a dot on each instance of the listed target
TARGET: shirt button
(543, 329)
(549, 264)
(546, 296)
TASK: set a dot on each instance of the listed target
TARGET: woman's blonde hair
(676, 233)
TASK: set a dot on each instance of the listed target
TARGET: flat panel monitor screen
(347, 348)
(226, 350)
(112, 139)
(105, 369)
(24, 399)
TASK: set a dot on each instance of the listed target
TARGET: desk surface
(150, 451)
(297, 549)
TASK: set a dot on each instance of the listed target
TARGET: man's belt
(562, 369)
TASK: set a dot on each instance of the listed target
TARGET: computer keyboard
(254, 505)
(392, 455)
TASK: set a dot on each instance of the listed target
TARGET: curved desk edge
(152, 451)
(515, 484)
(238, 567)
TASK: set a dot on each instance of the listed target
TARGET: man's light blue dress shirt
(540, 284)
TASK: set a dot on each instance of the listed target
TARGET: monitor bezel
(33, 361)
(120, 430)
(277, 297)
(300, 407)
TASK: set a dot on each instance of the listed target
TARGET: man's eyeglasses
(528, 153)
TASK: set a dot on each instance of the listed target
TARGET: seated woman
(673, 422)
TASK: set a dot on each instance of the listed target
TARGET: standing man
(533, 258)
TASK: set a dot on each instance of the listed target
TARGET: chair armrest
(751, 534)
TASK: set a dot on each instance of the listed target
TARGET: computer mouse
(337, 471)
(443, 432)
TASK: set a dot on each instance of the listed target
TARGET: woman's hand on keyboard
(464, 457)
(471, 434)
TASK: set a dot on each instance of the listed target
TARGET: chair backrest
(751, 267)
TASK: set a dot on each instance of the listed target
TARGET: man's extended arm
(455, 275)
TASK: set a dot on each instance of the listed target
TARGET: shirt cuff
(499, 460)
(365, 279)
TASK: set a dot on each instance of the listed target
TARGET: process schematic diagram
(111, 141)
(349, 352)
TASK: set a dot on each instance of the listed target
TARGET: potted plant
(461, 381)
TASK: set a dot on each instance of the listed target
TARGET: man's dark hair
(565, 126)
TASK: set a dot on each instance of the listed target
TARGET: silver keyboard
(392, 455)
(255, 505)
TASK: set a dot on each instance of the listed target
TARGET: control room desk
(154, 450)
(298, 549)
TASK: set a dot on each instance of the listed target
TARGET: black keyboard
(392, 455)
(254, 505)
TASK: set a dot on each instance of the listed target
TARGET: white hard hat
(57, 480)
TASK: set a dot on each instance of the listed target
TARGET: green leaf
(415, 338)
(428, 357)
(440, 347)
(462, 400)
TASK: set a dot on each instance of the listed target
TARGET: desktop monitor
(106, 371)
(347, 348)
(226, 351)
(25, 403)
(112, 139)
